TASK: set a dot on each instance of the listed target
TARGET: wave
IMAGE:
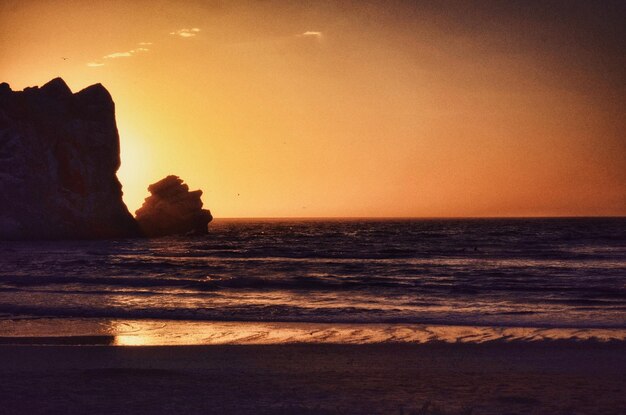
(562, 272)
(294, 314)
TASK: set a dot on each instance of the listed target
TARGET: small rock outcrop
(59, 154)
(172, 210)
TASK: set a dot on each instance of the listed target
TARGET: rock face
(172, 210)
(59, 153)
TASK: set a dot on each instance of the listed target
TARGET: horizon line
(417, 217)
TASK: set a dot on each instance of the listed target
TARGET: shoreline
(126, 332)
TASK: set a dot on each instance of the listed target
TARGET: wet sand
(545, 377)
(125, 332)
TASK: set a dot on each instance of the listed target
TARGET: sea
(559, 273)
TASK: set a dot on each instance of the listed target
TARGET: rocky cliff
(172, 210)
(59, 153)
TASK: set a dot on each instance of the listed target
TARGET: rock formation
(172, 210)
(59, 153)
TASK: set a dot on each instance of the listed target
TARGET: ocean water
(544, 273)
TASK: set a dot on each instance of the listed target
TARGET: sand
(546, 377)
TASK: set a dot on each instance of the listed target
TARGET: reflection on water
(522, 273)
(162, 333)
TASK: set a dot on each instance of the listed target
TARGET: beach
(494, 378)
(314, 207)
(320, 317)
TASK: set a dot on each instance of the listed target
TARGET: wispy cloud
(142, 47)
(186, 32)
(118, 55)
(127, 54)
(311, 33)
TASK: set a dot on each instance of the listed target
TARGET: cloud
(118, 55)
(312, 33)
(186, 32)
(126, 54)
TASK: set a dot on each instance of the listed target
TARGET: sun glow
(137, 170)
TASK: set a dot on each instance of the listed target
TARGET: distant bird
(64, 59)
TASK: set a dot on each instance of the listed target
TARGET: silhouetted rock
(172, 210)
(59, 154)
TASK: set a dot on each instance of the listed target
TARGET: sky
(349, 108)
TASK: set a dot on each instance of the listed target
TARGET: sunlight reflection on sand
(130, 333)
(171, 332)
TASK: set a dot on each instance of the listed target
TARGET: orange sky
(279, 109)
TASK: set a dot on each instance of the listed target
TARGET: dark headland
(59, 154)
